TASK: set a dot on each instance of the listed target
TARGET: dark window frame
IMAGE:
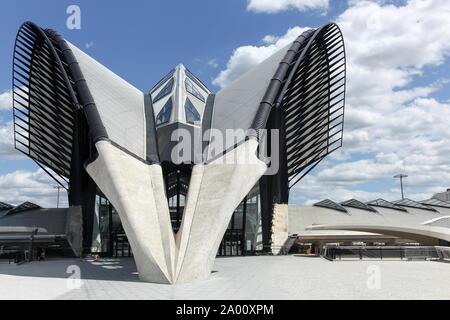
(190, 88)
(166, 109)
(191, 112)
(166, 90)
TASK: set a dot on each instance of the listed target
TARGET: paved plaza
(265, 277)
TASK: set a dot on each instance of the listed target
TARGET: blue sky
(218, 40)
(142, 40)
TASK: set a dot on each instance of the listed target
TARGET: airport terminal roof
(416, 220)
(405, 205)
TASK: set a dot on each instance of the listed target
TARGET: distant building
(443, 196)
(28, 227)
(377, 222)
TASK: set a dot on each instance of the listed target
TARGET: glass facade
(192, 115)
(244, 233)
(193, 90)
(243, 236)
(165, 113)
(165, 91)
(107, 227)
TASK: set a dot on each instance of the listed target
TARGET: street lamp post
(57, 201)
(401, 176)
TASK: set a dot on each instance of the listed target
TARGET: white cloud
(246, 57)
(20, 186)
(6, 100)
(392, 125)
(274, 6)
(6, 139)
(270, 39)
(213, 63)
(7, 151)
(34, 186)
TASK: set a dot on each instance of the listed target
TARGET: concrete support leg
(137, 192)
(215, 191)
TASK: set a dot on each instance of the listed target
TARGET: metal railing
(380, 253)
(443, 253)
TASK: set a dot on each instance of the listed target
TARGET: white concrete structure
(120, 105)
(210, 205)
(136, 188)
(425, 222)
(177, 162)
(137, 192)
(279, 227)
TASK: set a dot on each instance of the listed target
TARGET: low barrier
(443, 253)
(381, 253)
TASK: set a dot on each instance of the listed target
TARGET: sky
(398, 97)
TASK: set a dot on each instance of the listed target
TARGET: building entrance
(243, 236)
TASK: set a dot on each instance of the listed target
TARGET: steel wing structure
(90, 129)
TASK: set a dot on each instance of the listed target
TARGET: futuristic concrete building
(375, 222)
(180, 165)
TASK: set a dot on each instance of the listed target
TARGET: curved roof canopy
(303, 83)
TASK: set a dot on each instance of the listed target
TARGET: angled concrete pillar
(137, 192)
(215, 191)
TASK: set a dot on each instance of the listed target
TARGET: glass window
(192, 115)
(193, 90)
(164, 91)
(164, 114)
